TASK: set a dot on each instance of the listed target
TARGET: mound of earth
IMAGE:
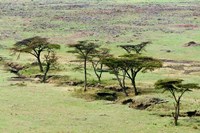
(127, 101)
(191, 44)
(145, 102)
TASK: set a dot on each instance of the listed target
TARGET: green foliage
(135, 48)
(175, 84)
(130, 65)
(34, 45)
(167, 83)
(112, 62)
(138, 62)
(83, 48)
(50, 58)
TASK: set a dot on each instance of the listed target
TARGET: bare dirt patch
(183, 66)
(145, 102)
(187, 26)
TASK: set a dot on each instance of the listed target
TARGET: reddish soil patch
(187, 26)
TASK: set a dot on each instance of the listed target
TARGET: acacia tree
(84, 49)
(114, 64)
(34, 46)
(96, 60)
(49, 60)
(136, 48)
(175, 86)
(131, 65)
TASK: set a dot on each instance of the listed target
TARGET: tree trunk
(124, 83)
(85, 74)
(121, 83)
(95, 71)
(40, 64)
(99, 79)
(134, 85)
(177, 113)
(45, 73)
(100, 74)
(132, 77)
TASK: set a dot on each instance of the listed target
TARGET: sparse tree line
(125, 67)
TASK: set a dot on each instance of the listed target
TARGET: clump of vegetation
(15, 68)
(50, 60)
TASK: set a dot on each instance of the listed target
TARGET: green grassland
(28, 106)
(46, 108)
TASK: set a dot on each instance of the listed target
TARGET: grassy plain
(46, 108)
(33, 107)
